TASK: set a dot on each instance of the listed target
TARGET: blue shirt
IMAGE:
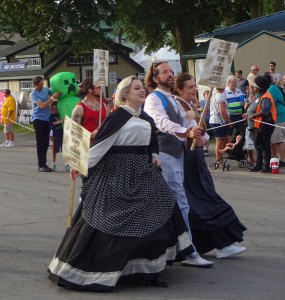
(42, 95)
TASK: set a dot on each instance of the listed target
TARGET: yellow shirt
(9, 105)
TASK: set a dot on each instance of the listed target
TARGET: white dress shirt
(154, 108)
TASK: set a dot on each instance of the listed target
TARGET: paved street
(33, 217)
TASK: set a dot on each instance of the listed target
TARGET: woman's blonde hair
(123, 89)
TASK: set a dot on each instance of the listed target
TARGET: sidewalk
(33, 219)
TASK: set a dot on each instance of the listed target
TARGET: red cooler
(274, 165)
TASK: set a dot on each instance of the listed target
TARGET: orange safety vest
(258, 108)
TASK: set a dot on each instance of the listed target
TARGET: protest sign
(101, 67)
(76, 144)
(218, 63)
(216, 70)
(75, 149)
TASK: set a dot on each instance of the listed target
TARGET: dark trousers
(42, 130)
(237, 127)
(262, 145)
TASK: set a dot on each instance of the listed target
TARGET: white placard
(101, 67)
(218, 63)
(75, 147)
(112, 78)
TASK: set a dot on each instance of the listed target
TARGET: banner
(11, 67)
(218, 63)
(101, 67)
(75, 147)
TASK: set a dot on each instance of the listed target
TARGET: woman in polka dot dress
(128, 223)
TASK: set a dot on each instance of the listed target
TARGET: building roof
(200, 51)
(18, 47)
(274, 23)
(24, 48)
(33, 50)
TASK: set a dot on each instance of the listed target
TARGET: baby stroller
(236, 153)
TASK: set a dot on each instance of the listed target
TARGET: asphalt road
(33, 217)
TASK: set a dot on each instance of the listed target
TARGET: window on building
(34, 62)
(113, 58)
(3, 85)
(88, 59)
(80, 60)
(89, 73)
(26, 85)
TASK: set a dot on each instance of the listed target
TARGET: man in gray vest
(172, 131)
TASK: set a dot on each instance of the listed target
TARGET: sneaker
(230, 251)
(4, 144)
(44, 169)
(197, 262)
(53, 167)
(11, 144)
(206, 152)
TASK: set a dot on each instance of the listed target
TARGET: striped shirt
(235, 101)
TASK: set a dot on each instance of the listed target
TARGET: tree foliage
(156, 23)
(49, 21)
(151, 23)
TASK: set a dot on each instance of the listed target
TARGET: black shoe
(44, 169)
(265, 170)
(281, 164)
(255, 169)
(157, 282)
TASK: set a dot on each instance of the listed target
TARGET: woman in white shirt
(128, 222)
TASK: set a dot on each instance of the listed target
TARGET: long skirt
(95, 255)
(213, 222)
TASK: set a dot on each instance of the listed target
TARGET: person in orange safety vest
(261, 110)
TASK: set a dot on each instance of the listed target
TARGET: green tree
(261, 8)
(50, 21)
(156, 23)
(153, 23)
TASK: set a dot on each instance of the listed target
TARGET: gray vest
(168, 143)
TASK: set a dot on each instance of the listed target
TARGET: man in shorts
(277, 143)
(278, 135)
(8, 119)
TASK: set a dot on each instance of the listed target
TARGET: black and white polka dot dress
(128, 222)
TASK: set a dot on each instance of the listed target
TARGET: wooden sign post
(216, 69)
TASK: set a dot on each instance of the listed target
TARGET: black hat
(261, 83)
(268, 76)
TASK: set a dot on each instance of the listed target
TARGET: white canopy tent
(163, 54)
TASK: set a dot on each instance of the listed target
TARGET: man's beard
(166, 83)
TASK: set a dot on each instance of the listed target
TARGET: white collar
(134, 112)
